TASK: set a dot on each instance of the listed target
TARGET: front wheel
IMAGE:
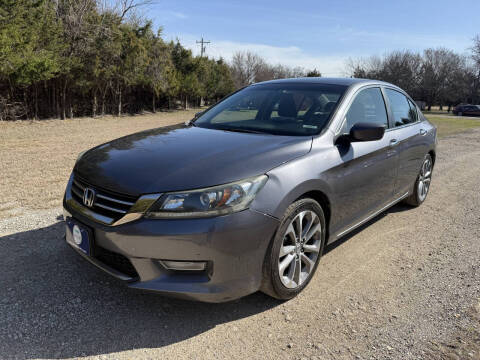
(293, 256)
(422, 184)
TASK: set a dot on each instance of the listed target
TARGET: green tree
(314, 73)
(158, 73)
(29, 46)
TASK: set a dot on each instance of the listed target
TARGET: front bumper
(234, 247)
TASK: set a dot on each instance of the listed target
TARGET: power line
(202, 46)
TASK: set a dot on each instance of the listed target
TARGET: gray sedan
(246, 196)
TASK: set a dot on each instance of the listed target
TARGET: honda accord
(245, 196)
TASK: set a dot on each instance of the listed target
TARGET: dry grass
(37, 157)
(450, 125)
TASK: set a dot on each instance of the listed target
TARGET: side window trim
(413, 107)
(391, 124)
(344, 115)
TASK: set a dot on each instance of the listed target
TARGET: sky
(317, 34)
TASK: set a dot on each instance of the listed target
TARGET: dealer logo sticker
(77, 235)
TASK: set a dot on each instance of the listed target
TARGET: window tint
(402, 112)
(368, 106)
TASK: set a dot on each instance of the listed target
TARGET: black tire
(459, 113)
(415, 199)
(272, 284)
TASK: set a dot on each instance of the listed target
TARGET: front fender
(286, 184)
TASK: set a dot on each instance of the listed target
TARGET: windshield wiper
(242, 130)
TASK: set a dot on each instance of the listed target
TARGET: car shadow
(399, 208)
(53, 304)
(394, 209)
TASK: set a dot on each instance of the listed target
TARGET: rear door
(408, 138)
(471, 111)
(366, 175)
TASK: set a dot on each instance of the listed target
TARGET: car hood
(181, 158)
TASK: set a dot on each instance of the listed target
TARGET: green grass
(436, 112)
(449, 125)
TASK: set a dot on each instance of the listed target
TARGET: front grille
(106, 203)
(115, 261)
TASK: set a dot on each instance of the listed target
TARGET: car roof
(327, 81)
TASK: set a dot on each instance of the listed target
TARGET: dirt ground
(404, 286)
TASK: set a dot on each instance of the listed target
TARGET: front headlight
(213, 201)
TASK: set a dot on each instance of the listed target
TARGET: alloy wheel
(424, 179)
(300, 249)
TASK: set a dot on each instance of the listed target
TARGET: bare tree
(280, 71)
(403, 67)
(364, 68)
(438, 76)
(476, 50)
(441, 68)
(246, 67)
(476, 70)
(122, 8)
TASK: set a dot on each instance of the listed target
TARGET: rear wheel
(422, 184)
(293, 256)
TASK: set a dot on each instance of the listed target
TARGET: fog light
(184, 265)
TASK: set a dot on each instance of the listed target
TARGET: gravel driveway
(405, 286)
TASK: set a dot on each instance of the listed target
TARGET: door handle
(423, 132)
(393, 142)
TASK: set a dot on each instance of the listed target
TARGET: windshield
(282, 109)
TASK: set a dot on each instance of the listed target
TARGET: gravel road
(405, 286)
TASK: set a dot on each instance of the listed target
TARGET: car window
(401, 110)
(413, 115)
(281, 109)
(245, 109)
(368, 106)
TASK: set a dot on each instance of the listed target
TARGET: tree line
(436, 76)
(248, 68)
(66, 58)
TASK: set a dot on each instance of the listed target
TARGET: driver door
(367, 173)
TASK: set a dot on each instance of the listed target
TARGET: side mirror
(366, 132)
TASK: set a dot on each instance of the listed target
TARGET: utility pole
(202, 46)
